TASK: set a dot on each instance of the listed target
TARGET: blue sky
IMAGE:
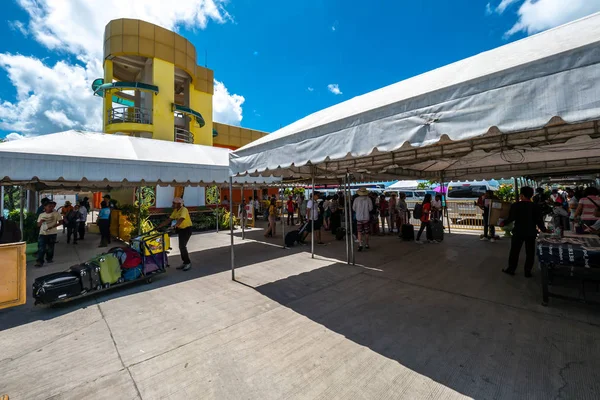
(275, 61)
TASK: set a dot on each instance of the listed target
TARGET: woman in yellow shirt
(271, 231)
(181, 221)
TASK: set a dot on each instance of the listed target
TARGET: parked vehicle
(462, 197)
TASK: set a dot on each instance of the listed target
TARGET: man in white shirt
(48, 222)
(312, 214)
(82, 221)
(362, 207)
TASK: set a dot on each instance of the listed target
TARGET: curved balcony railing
(136, 115)
(183, 136)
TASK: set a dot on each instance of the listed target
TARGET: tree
(425, 185)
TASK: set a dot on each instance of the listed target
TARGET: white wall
(192, 196)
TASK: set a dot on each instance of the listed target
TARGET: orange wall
(247, 193)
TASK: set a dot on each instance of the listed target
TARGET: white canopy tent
(527, 107)
(77, 160)
(404, 185)
(499, 113)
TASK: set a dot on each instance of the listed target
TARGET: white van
(462, 197)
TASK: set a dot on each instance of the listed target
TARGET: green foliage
(212, 195)
(30, 228)
(425, 185)
(506, 193)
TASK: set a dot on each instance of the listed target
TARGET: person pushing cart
(182, 223)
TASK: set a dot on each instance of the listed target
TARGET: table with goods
(571, 258)
(145, 257)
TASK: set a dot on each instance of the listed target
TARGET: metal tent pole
(516, 189)
(283, 209)
(346, 219)
(139, 211)
(21, 200)
(445, 209)
(1, 201)
(243, 220)
(217, 205)
(231, 232)
(312, 213)
(349, 202)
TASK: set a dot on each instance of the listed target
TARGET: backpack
(418, 211)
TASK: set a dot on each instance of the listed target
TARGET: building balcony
(136, 115)
(183, 136)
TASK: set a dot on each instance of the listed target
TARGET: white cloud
(18, 26)
(488, 9)
(504, 4)
(538, 15)
(227, 108)
(334, 88)
(59, 96)
(14, 136)
(310, 89)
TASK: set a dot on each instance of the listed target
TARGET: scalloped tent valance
(526, 107)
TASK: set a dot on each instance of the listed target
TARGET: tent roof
(552, 77)
(404, 185)
(75, 159)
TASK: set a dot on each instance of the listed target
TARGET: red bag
(132, 259)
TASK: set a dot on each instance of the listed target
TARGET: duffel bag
(131, 274)
(132, 259)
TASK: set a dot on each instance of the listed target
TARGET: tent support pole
(349, 197)
(21, 200)
(1, 201)
(231, 232)
(312, 213)
(139, 210)
(218, 201)
(445, 208)
(516, 190)
(346, 220)
(283, 209)
(243, 220)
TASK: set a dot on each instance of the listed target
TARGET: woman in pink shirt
(589, 207)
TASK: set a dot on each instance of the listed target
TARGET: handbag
(597, 210)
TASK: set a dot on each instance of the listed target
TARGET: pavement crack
(137, 389)
(568, 365)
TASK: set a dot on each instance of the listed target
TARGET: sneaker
(182, 266)
(49, 261)
(38, 265)
(483, 238)
(367, 247)
(360, 248)
(507, 272)
(492, 240)
(418, 242)
(431, 242)
(187, 267)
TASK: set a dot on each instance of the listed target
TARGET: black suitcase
(89, 275)
(54, 287)
(291, 238)
(437, 230)
(340, 233)
(408, 232)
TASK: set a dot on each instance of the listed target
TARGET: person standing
(527, 217)
(393, 212)
(402, 212)
(335, 219)
(72, 220)
(181, 221)
(384, 213)
(436, 208)
(82, 222)
(64, 211)
(291, 209)
(363, 206)
(243, 213)
(302, 203)
(588, 209)
(42, 206)
(425, 220)
(484, 202)
(103, 222)
(272, 218)
(314, 217)
(48, 222)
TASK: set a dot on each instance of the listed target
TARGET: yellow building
(153, 87)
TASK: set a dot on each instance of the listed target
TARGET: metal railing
(183, 136)
(463, 214)
(136, 115)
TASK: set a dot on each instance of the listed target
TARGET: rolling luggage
(408, 232)
(110, 270)
(340, 233)
(89, 275)
(437, 230)
(291, 238)
(132, 259)
(54, 287)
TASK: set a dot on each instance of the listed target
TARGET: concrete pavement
(409, 321)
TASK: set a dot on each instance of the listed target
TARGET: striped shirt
(589, 208)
